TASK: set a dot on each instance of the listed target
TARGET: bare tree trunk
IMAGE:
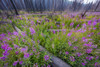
(40, 6)
(31, 2)
(14, 7)
(8, 6)
(97, 6)
(22, 4)
(82, 15)
(62, 6)
(53, 6)
(2, 5)
(36, 6)
(74, 5)
(43, 5)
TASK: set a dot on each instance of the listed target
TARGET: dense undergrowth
(74, 39)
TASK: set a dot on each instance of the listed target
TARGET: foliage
(74, 39)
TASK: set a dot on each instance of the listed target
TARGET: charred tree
(36, 8)
(43, 5)
(53, 3)
(62, 6)
(97, 6)
(40, 6)
(14, 8)
(82, 15)
(74, 5)
(8, 6)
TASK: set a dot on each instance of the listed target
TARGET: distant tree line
(47, 5)
(33, 5)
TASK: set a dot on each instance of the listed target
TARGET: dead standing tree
(53, 3)
(40, 7)
(14, 7)
(83, 14)
(74, 5)
(97, 6)
(62, 6)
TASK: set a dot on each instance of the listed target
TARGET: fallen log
(56, 30)
(56, 62)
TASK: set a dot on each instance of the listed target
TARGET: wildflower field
(73, 39)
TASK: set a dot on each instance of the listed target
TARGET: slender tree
(53, 3)
(41, 6)
(62, 6)
(14, 8)
(97, 6)
(8, 6)
(89, 5)
(74, 5)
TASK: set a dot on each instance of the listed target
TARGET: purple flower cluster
(3, 58)
(32, 30)
(78, 54)
(69, 34)
(89, 45)
(2, 36)
(46, 57)
(70, 44)
(72, 58)
(84, 25)
(71, 24)
(83, 64)
(24, 49)
(32, 22)
(89, 50)
(23, 34)
(26, 55)
(15, 33)
(5, 53)
(89, 22)
(16, 62)
(63, 24)
(66, 53)
(54, 32)
(89, 57)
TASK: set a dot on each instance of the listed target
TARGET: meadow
(70, 37)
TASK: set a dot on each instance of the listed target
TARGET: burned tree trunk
(36, 8)
(97, 6)
(74, 5)
(62, 6)
(14, 8)
(40, 7)
(83, 14)
(8, 6)
(53, 3)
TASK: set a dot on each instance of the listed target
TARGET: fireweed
(76, 45)
(15, 52)
(70, 48)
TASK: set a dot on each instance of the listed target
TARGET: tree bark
(97, 6)
(14, 8)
